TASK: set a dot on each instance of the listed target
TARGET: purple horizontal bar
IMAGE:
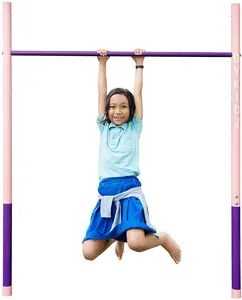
(119, 53)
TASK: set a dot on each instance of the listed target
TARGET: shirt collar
(112, 125)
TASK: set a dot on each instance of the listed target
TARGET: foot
(119, 249)
(171, 246)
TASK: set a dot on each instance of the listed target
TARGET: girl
(121, 213)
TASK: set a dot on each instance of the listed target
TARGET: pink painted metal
(235, 106)
(235, 144)
(7, 104)
(7, 291)
(7, 150)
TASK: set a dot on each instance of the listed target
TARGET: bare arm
(138, 84)
(102, 82)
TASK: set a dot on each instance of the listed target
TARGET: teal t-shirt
(119, 148)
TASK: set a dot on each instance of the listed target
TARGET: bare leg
(138, 241)
(119, 249)
(93, 248)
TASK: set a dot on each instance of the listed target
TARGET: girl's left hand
(138, 60)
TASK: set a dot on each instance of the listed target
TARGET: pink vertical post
(7, 150)
(235, 131)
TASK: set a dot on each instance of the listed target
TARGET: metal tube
(235, 151)
(120, 53)
(7, 150)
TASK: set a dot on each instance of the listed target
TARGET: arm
(138, 84)
(102, 82)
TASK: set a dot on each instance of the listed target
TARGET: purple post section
(7, 244)
(119, 53)
(236, 248)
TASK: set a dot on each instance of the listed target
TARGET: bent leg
(138, 241)
(93, 248)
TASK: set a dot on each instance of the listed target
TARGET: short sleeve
(100, 125)
(137, 124)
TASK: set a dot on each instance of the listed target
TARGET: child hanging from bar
(121, 213)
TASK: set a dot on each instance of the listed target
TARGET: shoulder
(136, 124)
(138, 116)
(137, 119)
(99, 119)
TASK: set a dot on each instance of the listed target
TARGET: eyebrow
(120, 103)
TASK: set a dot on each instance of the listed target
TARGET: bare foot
(171, 246)
(119, 249)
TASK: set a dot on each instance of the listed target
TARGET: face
(119, 109)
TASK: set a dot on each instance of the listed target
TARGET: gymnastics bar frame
(7, 134)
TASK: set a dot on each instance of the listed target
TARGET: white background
(185, 147)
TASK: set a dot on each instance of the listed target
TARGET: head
(120, 106)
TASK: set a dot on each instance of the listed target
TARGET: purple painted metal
(7, 244)
(120, 53)
(236, 248)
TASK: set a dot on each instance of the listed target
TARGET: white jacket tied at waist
(106, 204)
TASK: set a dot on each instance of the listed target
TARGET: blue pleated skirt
(132, 214)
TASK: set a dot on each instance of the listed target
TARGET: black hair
(131, 102)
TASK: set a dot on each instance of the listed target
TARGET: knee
(136, 245)
(88, 254)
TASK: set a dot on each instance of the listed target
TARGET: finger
(138, 51)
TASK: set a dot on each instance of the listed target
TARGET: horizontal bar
(120, 53)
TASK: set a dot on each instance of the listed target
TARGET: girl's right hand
(103, 55)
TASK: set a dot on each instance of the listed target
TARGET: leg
(119, 249)
(93, 248)
(138, 241)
